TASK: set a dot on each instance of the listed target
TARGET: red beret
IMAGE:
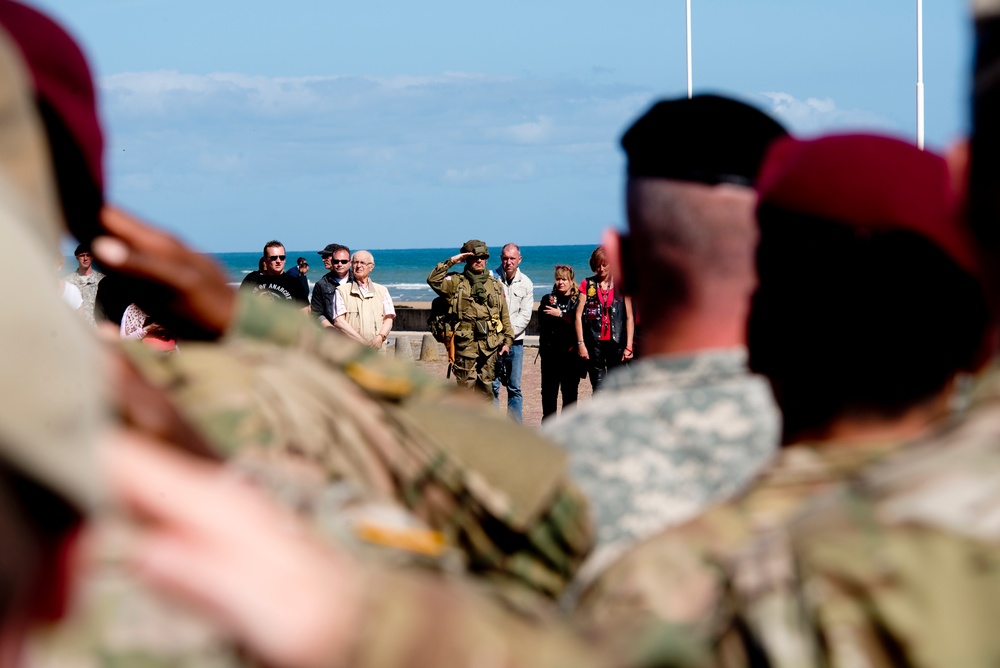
(868, 182)
(61, 78)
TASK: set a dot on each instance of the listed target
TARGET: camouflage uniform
(373, 453)
(668, 436)
(730, 576)
(722, 590)
(279, 384)
(88, 290)
(849, 555)
(483, 326)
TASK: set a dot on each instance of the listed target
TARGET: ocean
(404, 272)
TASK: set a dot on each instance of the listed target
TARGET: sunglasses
(274, 258)
(340, 262)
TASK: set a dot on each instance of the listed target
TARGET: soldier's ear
(618, 250)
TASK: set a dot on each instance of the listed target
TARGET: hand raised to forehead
(184, 290)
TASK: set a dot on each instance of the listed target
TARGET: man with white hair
(362, 308)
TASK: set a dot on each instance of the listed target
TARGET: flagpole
(920, 74)
(689, 46)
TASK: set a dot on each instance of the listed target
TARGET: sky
(402, 124)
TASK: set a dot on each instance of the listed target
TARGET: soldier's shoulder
(677, 575)
(946, 481)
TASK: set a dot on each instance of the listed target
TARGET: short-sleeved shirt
(276, 286)
(340, 306)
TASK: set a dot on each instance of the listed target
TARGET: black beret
(706, 139)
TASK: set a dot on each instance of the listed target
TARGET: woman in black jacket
(557, 341)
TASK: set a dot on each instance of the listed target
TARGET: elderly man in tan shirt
(362, 308)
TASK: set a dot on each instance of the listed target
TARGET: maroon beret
(61, 78)
(868, 182)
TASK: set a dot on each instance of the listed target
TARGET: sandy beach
(531, 385)
(531, 378)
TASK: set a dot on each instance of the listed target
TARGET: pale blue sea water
(404, 272)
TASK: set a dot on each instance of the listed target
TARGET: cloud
(227, 157)
(454, 129)
(531, 132)
(813, 115)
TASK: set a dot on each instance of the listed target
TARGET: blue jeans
(514, 385)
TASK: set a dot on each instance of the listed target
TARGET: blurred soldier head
(869, 300)
(66, 102)
(688, 256)
(49, 428)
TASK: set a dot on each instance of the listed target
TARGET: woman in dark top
(604, 325)
(557, 341)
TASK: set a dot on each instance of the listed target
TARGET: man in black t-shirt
(271, 283)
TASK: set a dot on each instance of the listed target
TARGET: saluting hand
(186, 290)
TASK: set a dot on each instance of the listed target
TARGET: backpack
(442, 319)
(444, 314)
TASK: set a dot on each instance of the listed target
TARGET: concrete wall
(415, 320)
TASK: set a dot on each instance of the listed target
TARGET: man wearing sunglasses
(272, 282)
(337, 260)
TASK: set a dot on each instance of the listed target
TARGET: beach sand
(531, 377)
(531, 385)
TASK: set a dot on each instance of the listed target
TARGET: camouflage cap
(476, 247)
(54, 406)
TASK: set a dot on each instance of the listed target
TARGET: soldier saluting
(483, 330)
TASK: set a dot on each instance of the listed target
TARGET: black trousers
(560, 371)
(604, 356)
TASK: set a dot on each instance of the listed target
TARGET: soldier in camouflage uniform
(85, 278)
(687, 425)
(779, 577)
(483, 332)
